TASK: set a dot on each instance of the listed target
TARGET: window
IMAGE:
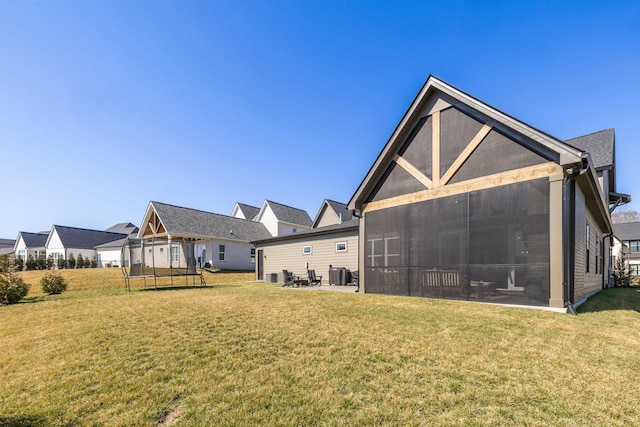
(253, 254)
(587, 242)
(306, 250)
(634, 270)
(222, 254)
(294, 230)
(634, 245)
(341, 247)
(174, 254)
(161, 250)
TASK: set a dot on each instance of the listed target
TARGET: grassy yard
(242, 353)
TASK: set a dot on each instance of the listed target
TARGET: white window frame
(341, 247)
(175, 254)
(222, 253)
(305, 251)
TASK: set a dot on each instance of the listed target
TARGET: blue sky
(106, 105)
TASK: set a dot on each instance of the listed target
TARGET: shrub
(94, 262)
(12, 287)
(31, 263)
(53, 283)
(62, 263)
(49, 262)
(79, 261)
(19, 263)
(71, 262)
(41, 263)
(87, 262)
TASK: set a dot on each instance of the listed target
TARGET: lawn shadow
(23, 421)
(620, 298)
(172, 288)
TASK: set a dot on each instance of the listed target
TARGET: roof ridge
(286, 206)
(592, 133)
(200, 210)
(85, 229)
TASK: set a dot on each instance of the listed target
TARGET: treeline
(41, 263)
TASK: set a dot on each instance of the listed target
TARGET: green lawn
(242, 353)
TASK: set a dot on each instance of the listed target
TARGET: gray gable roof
(627, 231)
(82, 238)
(7, 242)
(600, 145)
(290, 215)
(250, 212)
(123, 228)
(340, 209)
(179, 221)
(34, 240)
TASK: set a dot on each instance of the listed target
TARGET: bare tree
(620, 217)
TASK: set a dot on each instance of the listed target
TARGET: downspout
(569, 229)
(605, 285)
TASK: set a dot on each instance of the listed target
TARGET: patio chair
(313, 279)
(289, 279)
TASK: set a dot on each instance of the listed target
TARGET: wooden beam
(435, 148)
(543, 170)
(413, 171)
(469, 149)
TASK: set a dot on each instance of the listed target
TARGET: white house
(280, 219)
(33, 244)
(64, 241)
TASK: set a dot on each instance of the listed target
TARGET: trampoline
(153, 258)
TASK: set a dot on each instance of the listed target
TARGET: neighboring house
(240, 210)
(33, 244)
(220, 240)
(601, 147)
(629, 236)
(333, 242)
(110, 254)
(6, 246)
(281, 219)
(64, 241)
(463, 193)
(330, 213)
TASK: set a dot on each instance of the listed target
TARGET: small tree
(79, 261)
(62, 263)
(19, 263)
(87, 262)
(71, 262)
(12, 287)
(50, 262)
(41, 263)
(31, 263)
(94, 262)
(53, 283)
(621, 275)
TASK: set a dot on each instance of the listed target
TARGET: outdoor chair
(289, 279)
(313, 279)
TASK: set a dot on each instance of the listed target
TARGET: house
(317, 249)
(110, 254)
(629, 237)
(330, 213)
(64, 241)
(6, 246)
(467, 202)
(280, 219)
(177, 234)
(33, 244)
(240, 210)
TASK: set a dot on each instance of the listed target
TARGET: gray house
(220, 241)
(467, 202)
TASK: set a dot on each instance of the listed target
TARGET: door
(260, 266)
